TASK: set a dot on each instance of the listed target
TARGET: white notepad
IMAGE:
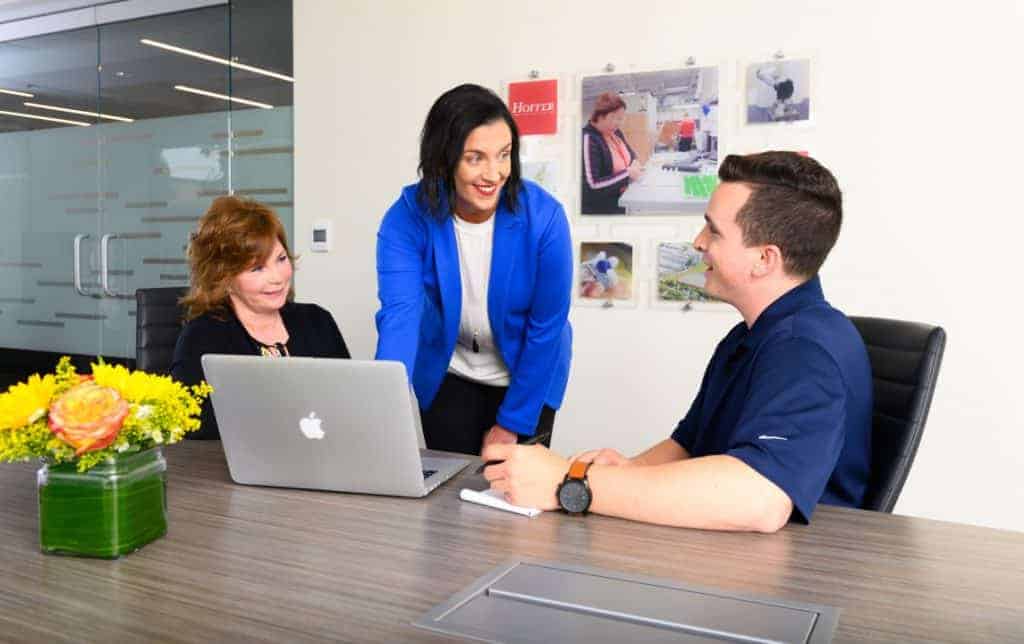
(495, 499)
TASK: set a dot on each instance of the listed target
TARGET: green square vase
(114, 508)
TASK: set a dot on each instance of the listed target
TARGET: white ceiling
(108, 66)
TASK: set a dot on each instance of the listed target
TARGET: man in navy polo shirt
(782, 420)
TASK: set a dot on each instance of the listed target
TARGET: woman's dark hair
(453, 116)
(794, 203)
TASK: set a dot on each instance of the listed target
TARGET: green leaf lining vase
(114, 508)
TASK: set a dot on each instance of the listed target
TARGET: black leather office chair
(905, 359)
(157, 325)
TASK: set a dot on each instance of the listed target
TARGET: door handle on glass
(78, 265)
(104, 259)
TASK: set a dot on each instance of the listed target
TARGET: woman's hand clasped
(498, 435)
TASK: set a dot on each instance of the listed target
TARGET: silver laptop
(322, 424)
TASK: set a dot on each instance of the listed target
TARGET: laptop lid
(317, 423)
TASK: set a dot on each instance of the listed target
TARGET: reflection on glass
(193, 164)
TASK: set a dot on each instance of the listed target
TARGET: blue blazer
(528, 299)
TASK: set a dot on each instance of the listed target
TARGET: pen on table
(533, 440)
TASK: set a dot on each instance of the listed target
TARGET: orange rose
(88, 416)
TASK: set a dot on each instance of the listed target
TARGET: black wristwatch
(574, 491)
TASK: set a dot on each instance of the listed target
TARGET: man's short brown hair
(795, 203)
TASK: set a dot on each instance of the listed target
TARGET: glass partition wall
(113, 141)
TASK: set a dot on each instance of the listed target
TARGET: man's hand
(498, 435)
(528, 475)
(606, 456)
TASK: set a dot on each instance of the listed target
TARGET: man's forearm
(666, 451)
(712, 492)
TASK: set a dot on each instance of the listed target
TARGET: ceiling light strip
(123, 119)
(14, 93)
(215, 59)
(223, 97)
(43, 118)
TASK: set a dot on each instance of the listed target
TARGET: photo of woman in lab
(609, 163)
(650, 143)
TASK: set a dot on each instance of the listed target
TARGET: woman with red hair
(241, 297)
(609, 163)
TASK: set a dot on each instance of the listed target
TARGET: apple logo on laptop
(310, 426)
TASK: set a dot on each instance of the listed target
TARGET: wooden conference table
(263, 564)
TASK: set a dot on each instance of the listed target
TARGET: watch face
(574, 496)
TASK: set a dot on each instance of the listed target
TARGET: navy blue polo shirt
(791, 398)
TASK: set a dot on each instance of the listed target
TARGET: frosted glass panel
(263, 160)
(49, 194)
(126, 173)
(162, 175)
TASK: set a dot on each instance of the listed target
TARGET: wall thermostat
(320, 242)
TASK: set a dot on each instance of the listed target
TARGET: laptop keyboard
(428, 473)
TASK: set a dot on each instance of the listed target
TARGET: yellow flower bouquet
(102, 488)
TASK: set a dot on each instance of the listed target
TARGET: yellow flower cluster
(161, 411)
(26, 402)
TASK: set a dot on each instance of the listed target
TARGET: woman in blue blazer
(474, 271)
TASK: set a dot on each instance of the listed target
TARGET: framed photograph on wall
(778, 91)
(604, 274)
(679, 276)
(538, 108)
(649, 141)
(534, 106)
(540, 161)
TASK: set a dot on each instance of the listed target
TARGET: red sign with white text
(534, 106)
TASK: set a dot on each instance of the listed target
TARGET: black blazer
(312, 332)
(599, 186)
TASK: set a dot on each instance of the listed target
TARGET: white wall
(918, 116)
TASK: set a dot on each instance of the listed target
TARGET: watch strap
(578, 470)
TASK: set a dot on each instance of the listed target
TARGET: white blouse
(476, 357)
